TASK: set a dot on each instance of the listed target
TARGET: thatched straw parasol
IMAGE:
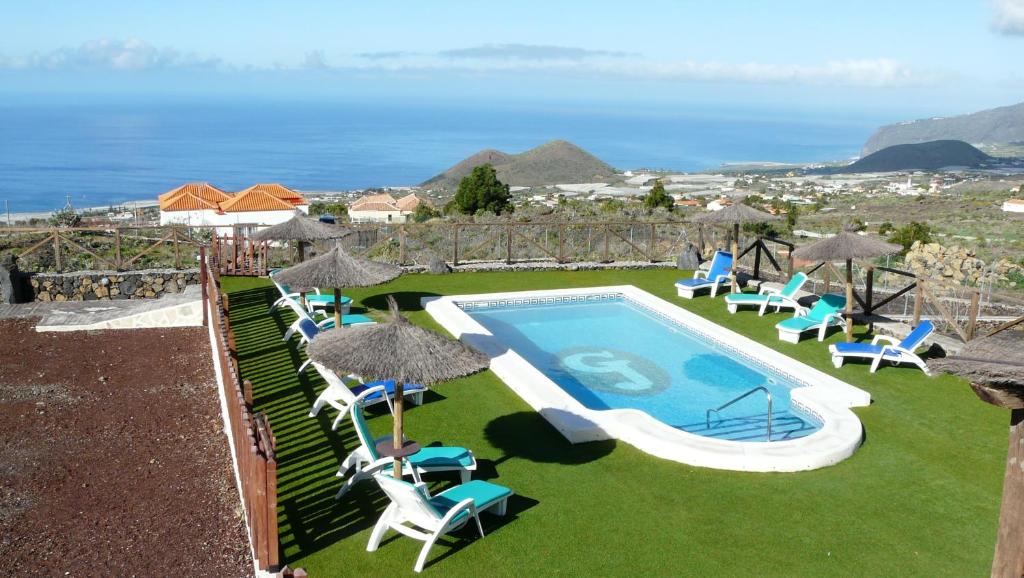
(847, 246)
(337, 269)
(302, 229)
(397, 350)
(995, 367)
(735, 214)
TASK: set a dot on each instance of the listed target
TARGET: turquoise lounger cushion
(484, 494)
(441, 456)
(751, 298)
(349, 320)
(857, 349)
(798, 324)
(329, 299)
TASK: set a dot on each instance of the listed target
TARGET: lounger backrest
(795, 283)
(410, 500)
(336, 382)
(829, 304)
(721, 264)
(308, 328)
(359, 423)
(918, 335)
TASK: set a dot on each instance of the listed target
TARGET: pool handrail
(707, 415)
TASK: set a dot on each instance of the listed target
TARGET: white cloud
(315, 60)
(529, 52)
(107, 54)
(1008, 17)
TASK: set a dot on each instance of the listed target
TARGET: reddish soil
(112, 456)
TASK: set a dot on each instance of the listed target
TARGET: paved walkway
(174, 310)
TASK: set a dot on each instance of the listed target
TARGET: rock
(101, 291)
(43, 296)
(437, 266)
(60, 297)
(8, 278)
(689, 259)
(149, 293)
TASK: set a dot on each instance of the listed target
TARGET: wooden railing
(60, 249)
(239, 256)
(251, 434)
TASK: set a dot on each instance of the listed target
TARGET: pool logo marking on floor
(614, 371)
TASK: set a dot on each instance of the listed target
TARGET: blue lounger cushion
(389, 389)
(694, 282)
(799, 324)
(432, 456)
(328, 299)
(865, 349)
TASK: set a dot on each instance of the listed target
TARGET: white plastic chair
(342, 392)
(413, 512)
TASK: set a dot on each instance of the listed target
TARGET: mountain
(551, 163)
(994, 126)
(931, 155)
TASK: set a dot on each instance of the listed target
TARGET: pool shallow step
(751, 428)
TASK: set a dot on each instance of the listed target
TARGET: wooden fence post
(972, 314)
(789, 262)
(401, 245)
(918, 301)
(653, 243)
(828, 278)
(203, 280)
(508, 245)
(455, 247)
(757, 258)
(607, 234)
(177, 248)
(56, 250)
(117, 249)
(869, 291)
(561, 243)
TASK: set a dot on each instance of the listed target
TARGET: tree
(857, 225)
(792, 214)
(657, 197)
(424, 212)
(66, 217)
(339, 210)
(886, 228)
(480, 191)
(612, 206)
(908, 234)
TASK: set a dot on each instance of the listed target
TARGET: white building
(1014, 206)
(384, 208)
(204, 205)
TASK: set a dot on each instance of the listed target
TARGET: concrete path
(174, 310)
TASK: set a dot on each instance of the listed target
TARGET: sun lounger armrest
(465, 505)
(723, 277)
(326, 322)
(898, 350)
(379, 465)
(769, 291)
(801, 311)
(837, 316)
(891, 340)
(699, 274)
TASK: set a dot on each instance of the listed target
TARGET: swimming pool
(617, 362)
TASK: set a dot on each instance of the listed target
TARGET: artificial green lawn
(920, 497)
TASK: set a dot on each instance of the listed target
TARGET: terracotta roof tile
(255, 200)
(409, 202)
(278, 190)
(385, 198)
(192, 196)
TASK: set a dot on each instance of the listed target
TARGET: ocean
(107, 153)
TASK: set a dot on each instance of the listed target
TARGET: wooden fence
(60, 249)
(252, 436)
(239, 256)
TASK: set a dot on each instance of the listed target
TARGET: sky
(913, 57)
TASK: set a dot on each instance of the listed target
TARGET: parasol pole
(849, 300)
(735, 253)
(337, 308)
(397, 435)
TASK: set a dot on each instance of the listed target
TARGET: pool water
(614, 354)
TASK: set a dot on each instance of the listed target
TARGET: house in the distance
(383, 208)
(204, 205)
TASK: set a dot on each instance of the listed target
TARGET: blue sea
(106, 153)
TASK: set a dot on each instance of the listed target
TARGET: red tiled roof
(191, 197)
(254, 200)
(409, 202)
(278, 190)
(381, 202)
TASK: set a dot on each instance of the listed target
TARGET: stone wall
(955, 265)
(106, 285)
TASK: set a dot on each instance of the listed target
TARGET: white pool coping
(826, 397)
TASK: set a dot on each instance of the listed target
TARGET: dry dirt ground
(112, 456)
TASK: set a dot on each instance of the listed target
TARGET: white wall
(225, 223)
(377, 216)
